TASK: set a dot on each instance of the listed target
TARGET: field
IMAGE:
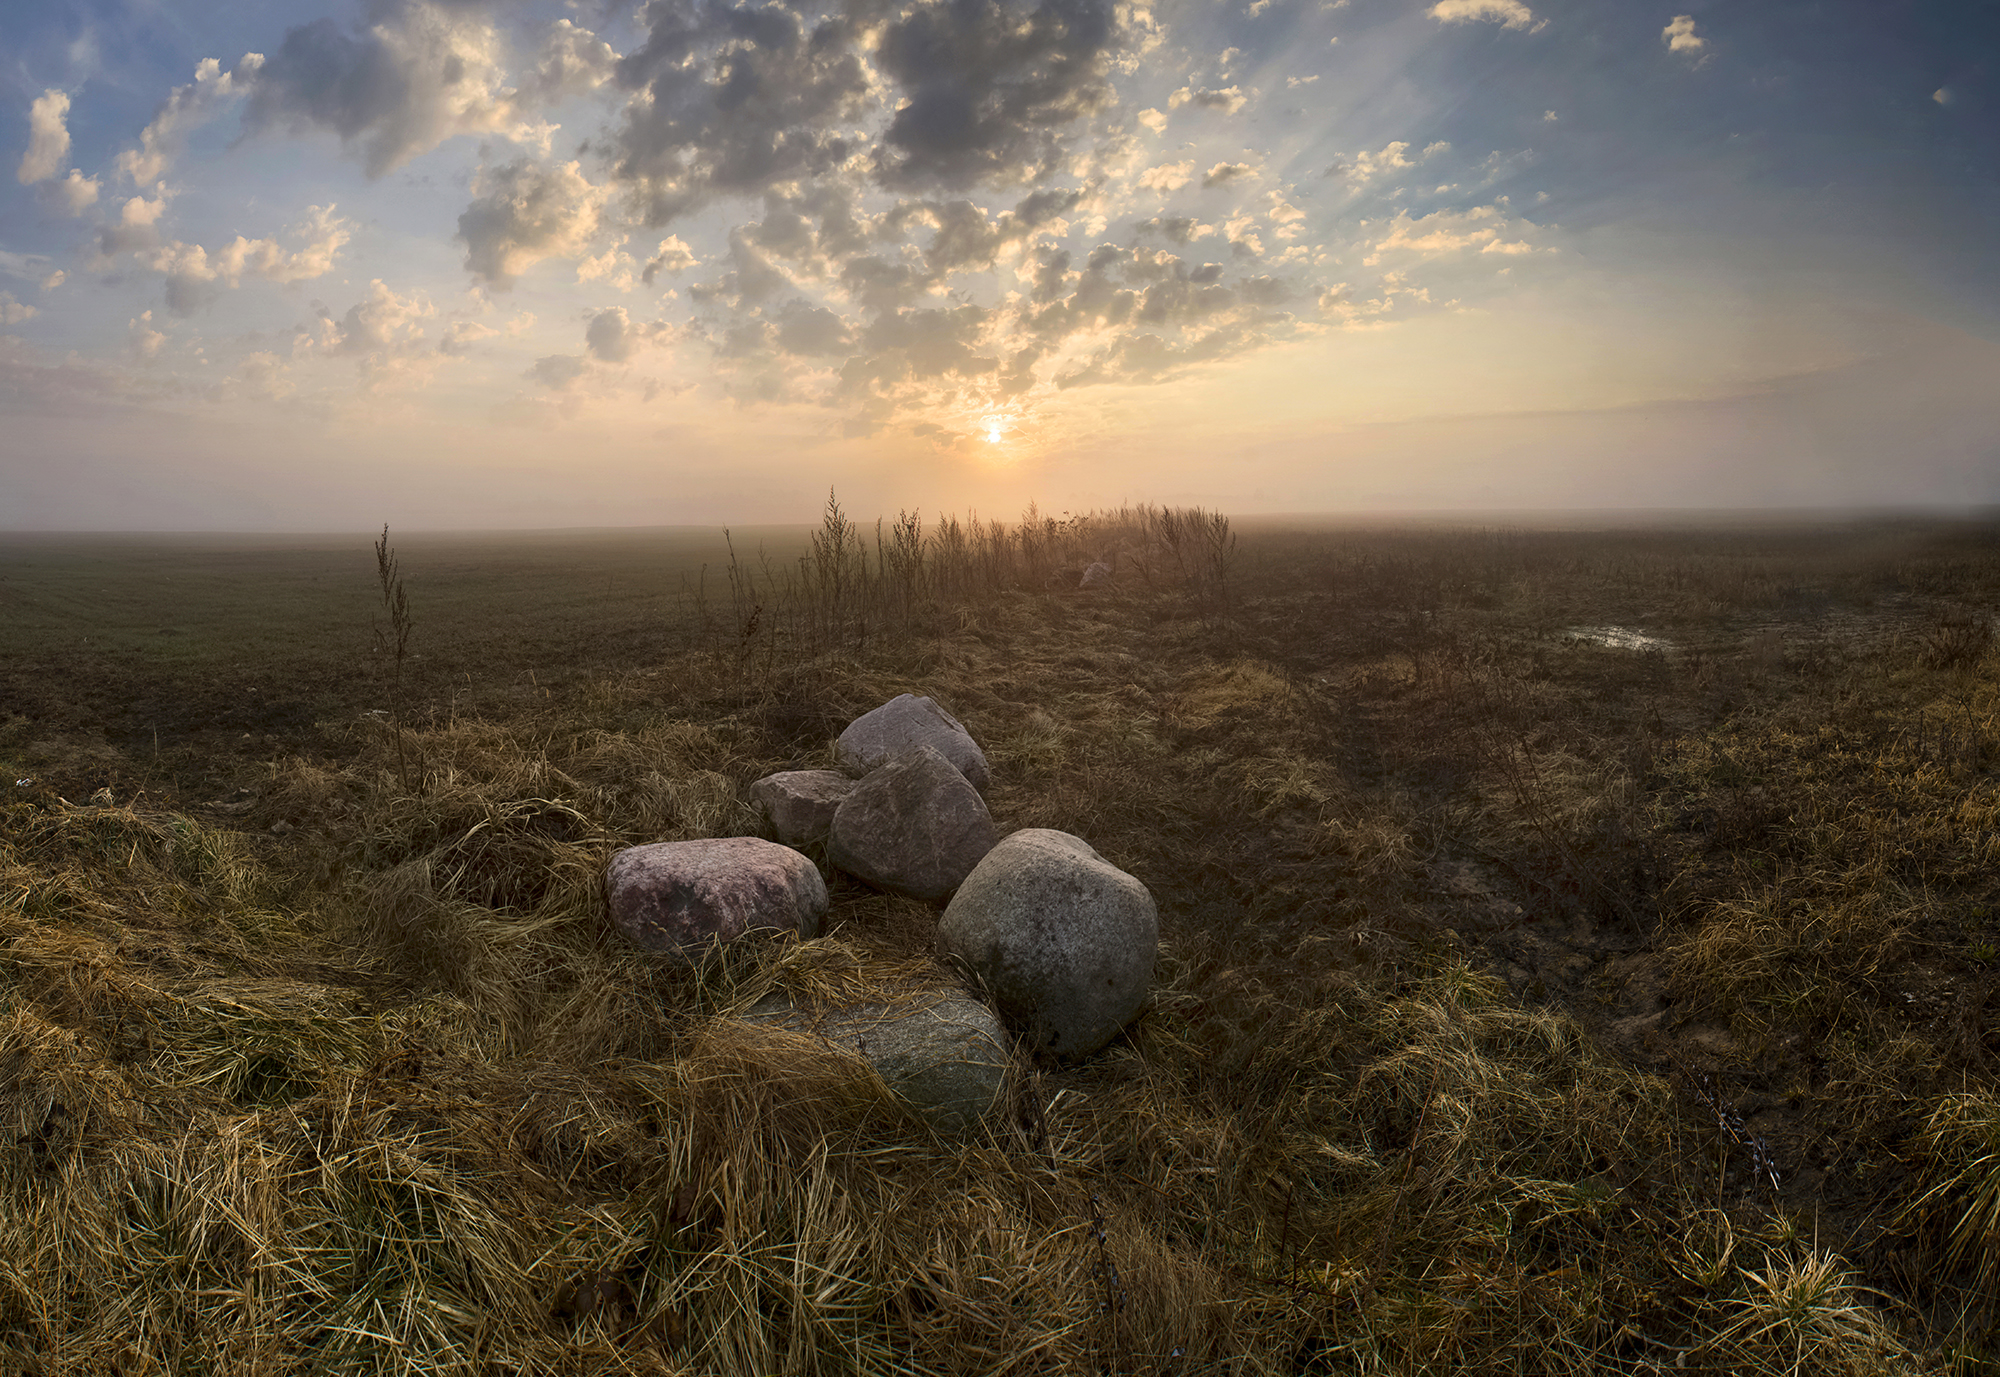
(1579, 951)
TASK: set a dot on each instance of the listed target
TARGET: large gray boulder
(902, 724)
(1061, 938)
(941, 1050)
(915, 826)
(680, 897)
(801, 803)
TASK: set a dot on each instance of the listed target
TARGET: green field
(1579, 950)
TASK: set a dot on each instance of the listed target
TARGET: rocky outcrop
(942, 1051)
(915, 826)
(801, 803)
(1062, 939)
(679, 898)
(902, 724)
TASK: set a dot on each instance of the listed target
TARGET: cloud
(385, 333)
(76, 193)
(573, 62)
(1153, 120)
(673, 256)
(459, 337)
(614, 337)
(1181, 229)
(48, 138)
(808, 330)
(1366, 167)
(1680, 37)
(25, 266)
(732, 100)
(1444, 232)
(1226, 174)
(988, 88)
(184, 109)
(558, 371)
(259, 376)
(525, 212)
(1510, 14)
(194, 276)
(13, 312)
(1167, 177)
(420, 74)
(1229, 99)
(141, 338)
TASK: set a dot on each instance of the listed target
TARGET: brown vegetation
(1527, 1003)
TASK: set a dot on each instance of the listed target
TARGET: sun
(996, 430)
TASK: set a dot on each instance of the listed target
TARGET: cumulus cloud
(524, 212)
(1510, 14)
(1153, 120)
(377, 329)
(614, 336)
(1680, 37)
(673, 256)
(1167, 176)
(76, 193)
(141, 338)
(48, 138)
(558, 371)
(1366, 167)
(573, 62)
(13, 312)
(419, 74)
(988, 89)
(1181, 229)
(194, 275)
(186, 108)
(1228, 99)
(736, 104)
(459, 337)
(1227, 174)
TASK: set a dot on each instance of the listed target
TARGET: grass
(1525, 1003)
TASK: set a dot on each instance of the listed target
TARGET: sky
(318, 264)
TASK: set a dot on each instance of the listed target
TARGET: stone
(942, 1051)
(801, 803)
(914, 826)
(1097, 575)
(903, 723)
(1062, 939)
(678, 898)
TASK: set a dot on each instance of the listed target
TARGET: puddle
(1619, 638)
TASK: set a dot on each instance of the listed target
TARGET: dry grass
(378, 1091)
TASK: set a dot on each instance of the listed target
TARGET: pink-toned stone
(679, 897)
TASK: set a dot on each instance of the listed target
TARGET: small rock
(801, 803)
(1097, 575)
(1063, 940)
(941, 1050)
(902, 724)
(281, 828)
(915, 826)
(679, 897)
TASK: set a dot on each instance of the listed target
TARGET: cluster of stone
(1059, 940)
